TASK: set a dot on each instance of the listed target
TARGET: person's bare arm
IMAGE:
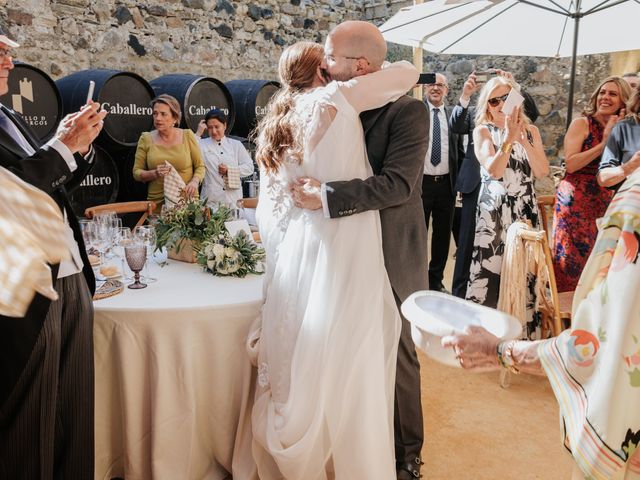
(477, 349)
(611, 176)
(578, 131)
(535, 151)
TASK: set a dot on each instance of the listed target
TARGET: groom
(396, 137)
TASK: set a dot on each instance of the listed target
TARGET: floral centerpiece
(193, 226)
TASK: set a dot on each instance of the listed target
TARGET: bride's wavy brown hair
(279, 133)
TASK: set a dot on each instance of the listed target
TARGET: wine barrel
(251, 98)
(130, 189)
(33, 94)
(196, 95)
(100, 186)
(125, 95)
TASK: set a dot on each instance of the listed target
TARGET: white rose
(211, 264)
(221, 268)
(229, 252)
(218, 250)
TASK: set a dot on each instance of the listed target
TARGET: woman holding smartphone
(510, 152)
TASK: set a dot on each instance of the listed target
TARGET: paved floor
(475, 430)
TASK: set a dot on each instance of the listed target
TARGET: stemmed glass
(147, 235)
(136, 255)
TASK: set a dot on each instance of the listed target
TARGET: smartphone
(427, 78)
(92, 87)
(483, 76)
(514, 99)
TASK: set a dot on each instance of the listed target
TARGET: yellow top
(185, 157)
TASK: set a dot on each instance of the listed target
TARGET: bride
(326, 356)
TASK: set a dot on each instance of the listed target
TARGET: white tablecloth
(171, 374)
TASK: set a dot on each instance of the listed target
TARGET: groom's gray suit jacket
(397, 138)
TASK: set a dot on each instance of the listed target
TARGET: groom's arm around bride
(396, 137)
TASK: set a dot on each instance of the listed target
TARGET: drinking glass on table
(147, 235)
(124, 237)
(136, 255)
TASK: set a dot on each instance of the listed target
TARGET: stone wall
(546, 79)
(220, 38)
(243, 39)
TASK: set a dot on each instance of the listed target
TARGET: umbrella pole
(572, 77)
(417, 62)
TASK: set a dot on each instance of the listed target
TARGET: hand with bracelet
(477, 349)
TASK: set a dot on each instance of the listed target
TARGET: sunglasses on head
(495, 101)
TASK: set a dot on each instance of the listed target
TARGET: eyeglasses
(332, 58)
(495, 101)
(439, 85)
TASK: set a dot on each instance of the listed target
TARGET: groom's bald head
(358, 40)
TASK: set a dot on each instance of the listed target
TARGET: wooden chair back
(146, 207)
(251, 202)
(546, 205)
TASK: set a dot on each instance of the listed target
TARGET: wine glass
(124, 237)
(136, 255)
(147, 235)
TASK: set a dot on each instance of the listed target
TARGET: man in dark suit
(438, 181)
(396, 137)
(468, 182)
(46, 379)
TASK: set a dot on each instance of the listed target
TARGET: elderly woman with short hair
(168, 143)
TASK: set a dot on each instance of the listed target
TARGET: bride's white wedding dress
(326, 357)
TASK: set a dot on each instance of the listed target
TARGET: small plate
(434, 315)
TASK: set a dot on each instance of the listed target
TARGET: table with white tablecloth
(172, 374)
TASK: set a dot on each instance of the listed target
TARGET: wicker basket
(187, 253)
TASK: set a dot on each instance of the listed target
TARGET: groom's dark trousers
(396, 137)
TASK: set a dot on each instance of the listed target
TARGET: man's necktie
(436, 148)
(8, 126)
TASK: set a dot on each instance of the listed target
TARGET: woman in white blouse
(224, 158)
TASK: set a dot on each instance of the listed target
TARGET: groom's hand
(306, 193)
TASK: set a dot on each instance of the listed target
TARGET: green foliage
(216, 250)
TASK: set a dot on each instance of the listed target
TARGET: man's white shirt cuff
(64, 152)
(323, 199)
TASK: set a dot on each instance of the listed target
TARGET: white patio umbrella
(542, 28)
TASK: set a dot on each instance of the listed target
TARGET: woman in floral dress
(579, 199)
(510, 151)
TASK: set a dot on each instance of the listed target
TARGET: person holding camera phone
(510, 151)
(469, 178)
(46, 379)
(439, 178)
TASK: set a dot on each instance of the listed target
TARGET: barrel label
(202, 110)
(94, 181)
(36, 120)
(131, 109)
